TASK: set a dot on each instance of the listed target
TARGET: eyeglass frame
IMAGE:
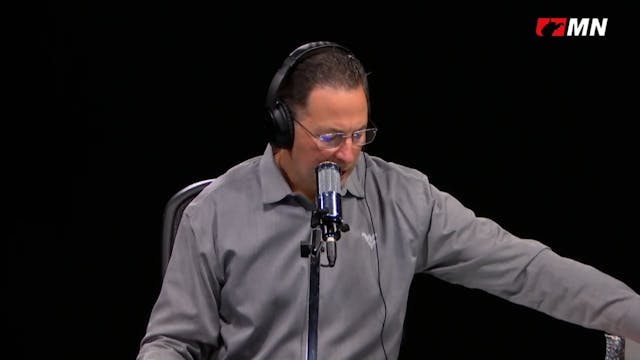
(342, 136)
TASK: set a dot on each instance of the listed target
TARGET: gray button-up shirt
(237, 286)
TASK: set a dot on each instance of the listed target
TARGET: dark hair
(331, 67)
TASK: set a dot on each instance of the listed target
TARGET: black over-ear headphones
(279, 120)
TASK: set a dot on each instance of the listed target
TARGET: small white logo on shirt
(370, 239)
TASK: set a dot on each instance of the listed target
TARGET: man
(237, 286)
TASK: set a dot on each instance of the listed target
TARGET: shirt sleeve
(476, 252)
(184, 322)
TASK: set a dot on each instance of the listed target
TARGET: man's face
(328, 110)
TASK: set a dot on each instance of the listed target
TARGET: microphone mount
(330, 226)
(330, 229)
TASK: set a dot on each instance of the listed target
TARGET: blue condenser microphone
(328, 214)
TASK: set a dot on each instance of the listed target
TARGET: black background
(114, 107)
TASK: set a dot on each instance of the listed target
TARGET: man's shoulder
(393, 171)
(243, 169)
(237, 178)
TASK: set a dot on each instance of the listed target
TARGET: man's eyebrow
(331, 130)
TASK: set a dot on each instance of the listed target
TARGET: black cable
(375, 238)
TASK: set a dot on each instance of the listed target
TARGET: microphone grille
(328, 177)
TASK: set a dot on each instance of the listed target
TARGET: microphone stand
(323, 229)
(311, 250)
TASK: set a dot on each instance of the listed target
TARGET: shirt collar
(355, 180)
(274, 185)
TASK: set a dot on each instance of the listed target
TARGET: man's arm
(184, 323)
(477, 253)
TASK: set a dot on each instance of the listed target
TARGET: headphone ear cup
(281, 126)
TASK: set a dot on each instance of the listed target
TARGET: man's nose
(346, 152)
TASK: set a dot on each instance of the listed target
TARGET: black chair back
(173, 214)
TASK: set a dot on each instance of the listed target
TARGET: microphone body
(328, 214)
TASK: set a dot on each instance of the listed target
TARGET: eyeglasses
(334, 140)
